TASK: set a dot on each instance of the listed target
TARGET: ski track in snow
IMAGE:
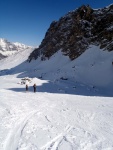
(53, 145)
(74, 136)
(71, 134)
(16, 132)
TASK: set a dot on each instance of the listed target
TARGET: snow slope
(68, 111)
(93, 71)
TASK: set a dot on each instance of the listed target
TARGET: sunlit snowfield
(71, 110)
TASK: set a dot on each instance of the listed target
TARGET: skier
(27, 83)
(26, 87)
(34, 86)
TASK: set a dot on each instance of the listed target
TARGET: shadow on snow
(59, 86)
(64, 88)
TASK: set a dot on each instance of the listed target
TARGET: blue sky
(26, 21)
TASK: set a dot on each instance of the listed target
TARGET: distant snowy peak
(5, 45)
(8, 48)
(20, 45)
(2, 41)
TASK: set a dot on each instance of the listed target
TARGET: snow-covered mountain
(8, 48)
(73, 106)
(93, 66)
(74, 32)
(92, 71)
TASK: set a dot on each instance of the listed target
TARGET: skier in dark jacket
(34, 86)
(26, 87)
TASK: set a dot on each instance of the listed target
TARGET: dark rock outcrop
(2, 56)
(74, 32)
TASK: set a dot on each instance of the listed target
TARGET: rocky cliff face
(74, 32)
